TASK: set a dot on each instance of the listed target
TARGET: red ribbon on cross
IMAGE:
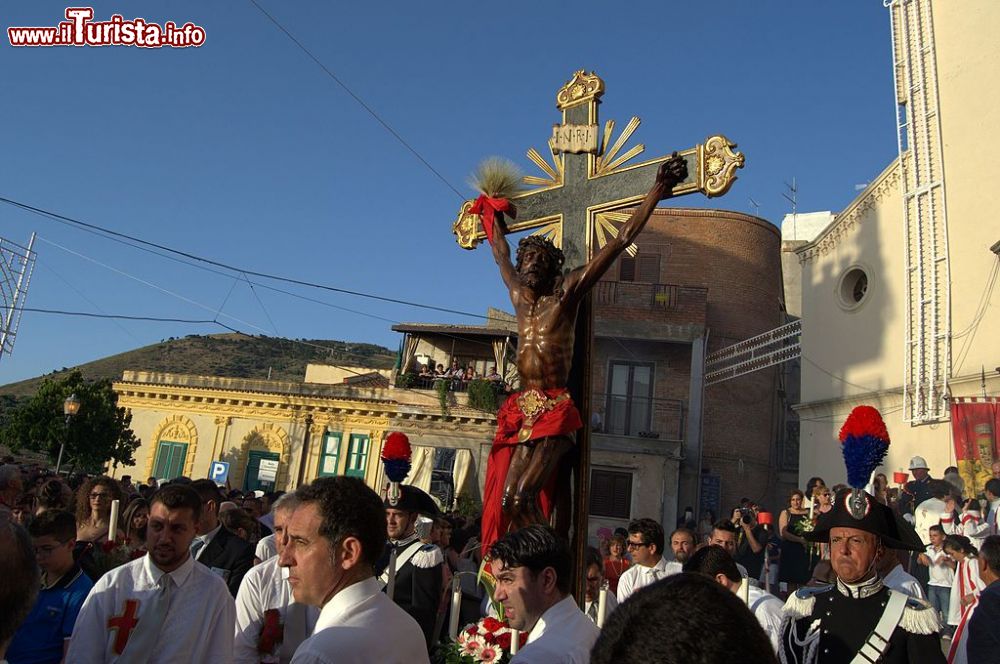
(486, 208)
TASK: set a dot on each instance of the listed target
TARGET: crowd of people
(187, 571)
(456, 377)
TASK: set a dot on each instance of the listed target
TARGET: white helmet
(918, 462)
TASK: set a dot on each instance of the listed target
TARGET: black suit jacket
(228, 553)
(983, 646)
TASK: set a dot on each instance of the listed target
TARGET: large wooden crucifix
(578, 206)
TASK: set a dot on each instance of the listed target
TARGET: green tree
(100, 431)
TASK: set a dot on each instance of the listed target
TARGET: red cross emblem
(124, 624)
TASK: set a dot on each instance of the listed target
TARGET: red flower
(490, 638)
(492, 624)
(503, 640)
(108, 546)
(473, 629)
(523, 640)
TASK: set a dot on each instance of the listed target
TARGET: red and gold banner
(975, 422)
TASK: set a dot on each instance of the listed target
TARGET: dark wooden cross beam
(578, 203)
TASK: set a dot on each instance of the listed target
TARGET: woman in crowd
(135, 519)
(965, 591)
(824, 503)
(794, 558)
(241, 524)
(53, 494)
(880, 488)
(615, 564)
(811, 485)
(93, 510)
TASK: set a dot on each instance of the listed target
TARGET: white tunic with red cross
(198, 626)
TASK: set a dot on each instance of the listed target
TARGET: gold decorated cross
(577, 203)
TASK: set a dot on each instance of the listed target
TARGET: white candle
(745, 591)
(456, 607)
(390, 586)
(515, 639)
(602, 604)
(113, 522)
(812, 507)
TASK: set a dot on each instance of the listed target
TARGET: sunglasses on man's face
(636, 545)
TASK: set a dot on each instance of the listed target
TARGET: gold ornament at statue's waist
(532, 403)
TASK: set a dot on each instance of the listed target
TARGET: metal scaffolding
(927, 362)
(16, 265)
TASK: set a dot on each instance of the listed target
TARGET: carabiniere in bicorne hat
(864, 441)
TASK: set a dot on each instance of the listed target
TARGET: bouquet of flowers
(803, 526)
(97, 559)
(489, 641)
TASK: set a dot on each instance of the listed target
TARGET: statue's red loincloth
(524, 418)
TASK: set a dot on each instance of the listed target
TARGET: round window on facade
(853, 287)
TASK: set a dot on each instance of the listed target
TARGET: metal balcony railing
(648, 296)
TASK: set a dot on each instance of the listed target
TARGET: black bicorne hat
(856, 508)
(414, 500)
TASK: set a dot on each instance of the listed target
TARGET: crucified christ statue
(536, 426)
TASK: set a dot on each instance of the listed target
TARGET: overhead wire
(70, 221)
(361, 102)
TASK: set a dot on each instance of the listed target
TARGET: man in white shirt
(724, 535)
(682, 544)
(595, 579)
(645, 543)
(532, 569)
(715, 562)
(163, 607)
(331, 543)
(270, 625)
(941, 572)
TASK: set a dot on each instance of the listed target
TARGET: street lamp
(70, 408)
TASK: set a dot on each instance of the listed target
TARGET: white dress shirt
(198, 623)
(768, 610)
(263, 588)
(609, 608)
(562, 635)
(639, 576)
(266, 548)
(899, 579)
(361, 625)
(940, 574)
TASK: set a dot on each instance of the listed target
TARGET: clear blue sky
(245, 151)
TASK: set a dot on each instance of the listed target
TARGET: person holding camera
(751, 539)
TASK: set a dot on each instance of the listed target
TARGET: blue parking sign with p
(219, 472)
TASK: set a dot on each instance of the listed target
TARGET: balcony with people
(476, 362)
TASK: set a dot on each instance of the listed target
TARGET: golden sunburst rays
(551, 232)
(609, 159)
(607, 225)
(554, 172)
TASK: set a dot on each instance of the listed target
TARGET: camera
(746, 515)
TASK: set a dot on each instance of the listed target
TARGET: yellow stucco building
(898, 293)
(311, 430)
